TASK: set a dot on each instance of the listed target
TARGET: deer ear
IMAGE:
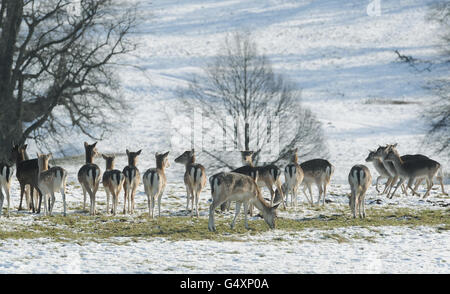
(139, 152)
(37, 154)
(25, 146)
(167, 153)
(93, 145)
(128, 152)
(276, 205)
(104, 157)
(86, 144)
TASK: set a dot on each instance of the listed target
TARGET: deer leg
(159, 203)
(430, 185)
(84, 196)
(246, 204)
(197, 196)
(107, 199)
(63, 194)
(212, 207)
(7, 196)
(410, 181)
(398, 185)
(238, 209)
(2, 198)
(22, 191)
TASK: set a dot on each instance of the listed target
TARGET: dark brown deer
(89, 176)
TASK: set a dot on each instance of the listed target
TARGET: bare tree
(437, 115)
(244, 105)
(55, 67)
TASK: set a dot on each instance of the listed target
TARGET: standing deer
(317, 171)
(6, 172)
(293, 175)
(50, 181)
(268, 175)
(194, 178)
(132, 180)
(26, 173)
(359, 179)
(242, 189)
(89, 176)
(412, 170)
(154, 180)
(112, 181)
(382, 171)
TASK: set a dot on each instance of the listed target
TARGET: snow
(344, 62)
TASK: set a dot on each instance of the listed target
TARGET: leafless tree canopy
(55, 73)
(248, 107)
(438, 114)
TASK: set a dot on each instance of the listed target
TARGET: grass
(103, 228)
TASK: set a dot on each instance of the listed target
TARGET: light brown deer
(132, 180)
(382, 171)
(360, 180)
(318, 171)
(112, 181)
(89, 176)
(242, 189)
(50, 181)
(154, 181)
(6, 173)
(194, 178)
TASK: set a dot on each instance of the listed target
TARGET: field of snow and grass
(344, 61)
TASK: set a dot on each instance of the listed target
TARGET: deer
(360, 180)
(154, 180)
(382, 171)
(317, 171)
(132, 180)
(293, 175)
(412, 170)
(6, 173)
(89, 176)
(51, 180)
(268, 175)
(231, 186)
(194, 179)
(112, 182)
(26, 173)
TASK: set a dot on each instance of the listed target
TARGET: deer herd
(242, 185)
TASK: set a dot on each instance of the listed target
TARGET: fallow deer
(154, 181)
(112, 181)
(359, 179)
(242, 189)
(412, 170)
(268, 175)
(194, 178)
(132, 180)
(317, 171)
(51, 180)
(6, 172)
(89, 176)
(293, 175)
(26, 173)
(382, 171)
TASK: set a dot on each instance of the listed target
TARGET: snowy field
(344, 61)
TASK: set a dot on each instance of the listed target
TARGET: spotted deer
(293, 175)
(412, 170)
(194, 179)
(26, 173)
(360, 180)
(112, 182)
(154, 181)
(382, 171)
(318, 171)
(242, 189)
(132, 180)
(89, 176)
(51, 180)
(268, 175)
(6, 173)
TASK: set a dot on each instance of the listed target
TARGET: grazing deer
(112, 181)
(412, 170)
(317, 171)
(6, 172)
(359, 179)
(382, 171)
(89, 176)
(26, 173)
(154, 180)
(268, 175)
(194, 178)
(293, 175)
(132, 180)
(51, 180)
(242, 189)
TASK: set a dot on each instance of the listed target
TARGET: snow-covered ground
(344, 61)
